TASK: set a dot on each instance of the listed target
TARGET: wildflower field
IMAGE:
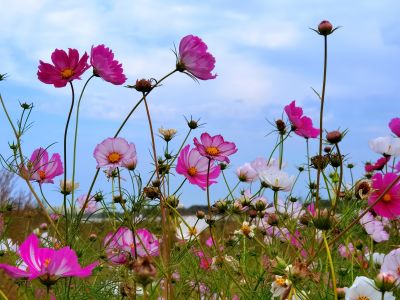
(338, 238)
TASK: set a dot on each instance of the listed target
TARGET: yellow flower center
(212, 151)
(192, 230)
(46, 262)
(387, 197)
(67, 73)
(114, 157)
(132, 246)
(192, 171)
(281, 281)
(246, 229)
(42, 175)
(363, 298)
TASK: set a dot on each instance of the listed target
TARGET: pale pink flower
(115, 152)
(374, 228)
(394, 126)
(365, 288)
(346, 251)
(47, 263)
(277, 179)
(391, 263)
(194, 58)
(42, 169)
(121, 245)
(215, 147)
(105, 66)
(246, 173)
(90, 205)
(194, 167)
(389, 205)
(67, 67)
(301, 125)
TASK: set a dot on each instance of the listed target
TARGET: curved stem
(328, 253)
(65, 160)
(75, 141)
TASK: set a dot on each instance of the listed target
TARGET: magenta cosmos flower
(66, 68)
(46, 263)
(389, 205)
(120, 245)
(194, 166)
(301, 125)
(194, 58)
(41, 168)
(394, 126)
(215, 147)
(105, 66)
(115, 152)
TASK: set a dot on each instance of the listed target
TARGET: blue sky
(266, 57)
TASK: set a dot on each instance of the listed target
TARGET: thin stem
(321, 116)
(65, 160)
(328, 253)
(75, 141)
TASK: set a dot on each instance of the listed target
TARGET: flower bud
(193, 124)
(260, 205)
(98, 197)
(305, 219)
(67, 187)
(43, 227)
(272, 220)
(143, 85)
(252, 213)
(221, 206)
(281, 126)
(210, 220)
(200, 214)
(156, 183)
(319, 162)
(173, 201)
(341, 293)
(335, 160)
(25, 105)
(167, 134)
(334, 137)
(322, 219)
(92, 237)
(119, 199)
(144, 270)
(385, 282)
(327, 149)
(325, 28)
(151, 192)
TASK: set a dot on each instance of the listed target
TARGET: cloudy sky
(266, 57)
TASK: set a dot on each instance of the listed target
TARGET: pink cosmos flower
(194, 58)
(66, 68)
(389, 205)
(90, 206)
(194, 167)
(46, 263)
(115, 152)
(394, 126)
(105, 66)
(246, 173)
(215, 147)
(301, 125)
(374, 228)
(391, 263)
(41, 169)
(397, 167)
(205, 261)
(378, 166)
(121, 245)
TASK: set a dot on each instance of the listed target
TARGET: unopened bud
(325, 28)
(173, 201)
(142, 85)
(144, 270)
(272, 220)
(334, 137)
(43, 227)
(200, 214)
(92, 237)
(281, 126)
(385, 282)
(327, 149)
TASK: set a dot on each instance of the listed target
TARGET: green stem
(328, 253)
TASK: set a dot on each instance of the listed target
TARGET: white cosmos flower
(365, 289)
(277, 179)
(385, 145)
(246, 173)
(377, 258)
(8, 245)
(196, 226)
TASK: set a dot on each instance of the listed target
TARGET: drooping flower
(378, 165)
(90, 205)
(41, 169)
(365, 288)
(69, 186)
(115, 152)
(121, 245)
(47, 263)
(389, 205)
(194, 167)
(391, 263)
(105, 66)
(194, 58)
(65, 68)
(385, 145)
(394, 126)
(246, 173)
(277, 179)
(215, 147)
(302, 125)
(374, 228)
